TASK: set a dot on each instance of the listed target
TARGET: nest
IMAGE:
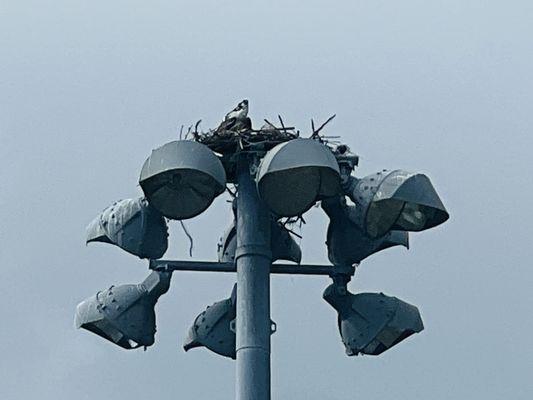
(228, 142)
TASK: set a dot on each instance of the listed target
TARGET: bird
(237, 119)
(239, 113)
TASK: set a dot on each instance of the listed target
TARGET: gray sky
(88, 88)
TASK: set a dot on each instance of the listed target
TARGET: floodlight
(182, 178)
(276, 174)
(370, 323)
(124, 314)
(282, 245)
(295, 174)
(134, 226)
(347, 244)
(396, 200)
(213, 328)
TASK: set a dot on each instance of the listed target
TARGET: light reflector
(134, 226)
(295, 174)
(124, 314)
(212, 328)
(347, 244)
(182, 178)
(371, 323)
(396, 200)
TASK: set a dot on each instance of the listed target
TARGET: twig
(281, 121)
(284, 128)
(189, 129)
(195, 133)
(232, 193)
(290, 220)
(294, 233)
(269, 123)
(324, 124)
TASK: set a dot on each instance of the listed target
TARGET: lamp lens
(382, 215)
(413, 217)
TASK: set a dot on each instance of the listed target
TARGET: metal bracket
(253, 168)
(211, 266)
(233, 327)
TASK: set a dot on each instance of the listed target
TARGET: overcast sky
(89, 88)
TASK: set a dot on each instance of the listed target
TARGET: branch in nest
(231, 192)
(317, 131)
(195, 133)
(284, 128)
(281, 121)
(294, 233)
(189, 129)
(269, 123)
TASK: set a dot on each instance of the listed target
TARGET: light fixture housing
(282, 244)
(395, 200)
(213, 328)
(346, 242)
(124, 314)
(182, 178)
(295, 174)
(134, 226)
(371, 323)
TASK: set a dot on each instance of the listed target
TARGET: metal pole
(253, 258)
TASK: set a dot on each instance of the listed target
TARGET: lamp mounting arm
(342, 274)
(348, 186)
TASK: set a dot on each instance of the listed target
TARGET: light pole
(253, 257)
(277, 176)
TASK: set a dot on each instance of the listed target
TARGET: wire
(189, 236)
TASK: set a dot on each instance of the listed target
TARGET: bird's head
(243, 104)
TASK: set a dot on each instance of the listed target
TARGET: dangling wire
(189, 236)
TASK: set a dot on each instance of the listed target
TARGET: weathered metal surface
(215, 328)
(253, 259)
(295, 174)
(371, 323)
(212, 266)
(182, 178)
(124, 314)
(134, 226)
(212, 328)
(347, 243)
(396, 200)
(284, 247)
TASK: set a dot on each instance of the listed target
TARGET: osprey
(237, 119)
(239, 113)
